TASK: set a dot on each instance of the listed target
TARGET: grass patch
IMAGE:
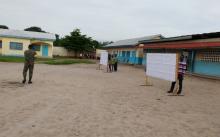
(20, 59)
(43, 59)
(11, 59)
(50, 61)
(68, 61)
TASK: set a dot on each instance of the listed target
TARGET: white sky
(110, 20)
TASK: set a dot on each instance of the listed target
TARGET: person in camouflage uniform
(29, 63)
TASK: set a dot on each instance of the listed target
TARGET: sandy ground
(78, 100)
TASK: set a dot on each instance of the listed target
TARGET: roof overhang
(172, 39)
(20, 34)
(182, 45)
(19, 37)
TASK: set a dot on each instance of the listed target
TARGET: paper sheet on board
(104, 58)
(162, 66)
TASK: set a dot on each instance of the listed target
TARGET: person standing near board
(181, 71)
(115, 63)
(29, 63)
(109, 67)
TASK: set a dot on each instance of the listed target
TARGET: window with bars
(209, 56)
(16, 46)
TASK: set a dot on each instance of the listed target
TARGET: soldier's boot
(30, 78)
(25, 72)
(30, 82)
(24, 77)
(30, 74)
(23, 81)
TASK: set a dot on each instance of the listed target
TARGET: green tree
(79, 43)
(34, 29)
(3, 27)
(96, 45)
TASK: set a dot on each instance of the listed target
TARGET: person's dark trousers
(116, 66)
(27, 67)
(180, 78)
(172, 87)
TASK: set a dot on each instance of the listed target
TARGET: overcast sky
(111, 20)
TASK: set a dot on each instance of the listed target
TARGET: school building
(127, 50)
(15, 42)
(201, 50)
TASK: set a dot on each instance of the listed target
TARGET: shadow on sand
(11, 84)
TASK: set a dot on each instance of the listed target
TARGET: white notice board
(162, 66)
(104, 58)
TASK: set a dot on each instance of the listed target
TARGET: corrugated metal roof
(26, 34)
(183, 38)
(188, 37)
(132, 42)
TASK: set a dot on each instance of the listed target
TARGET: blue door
(45, 51)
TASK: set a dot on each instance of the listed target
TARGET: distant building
(63, 52)
(202, 51)
(15, 42)
(127, 50)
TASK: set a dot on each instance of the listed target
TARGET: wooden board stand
(147, 82)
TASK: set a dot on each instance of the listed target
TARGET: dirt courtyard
(78, 100)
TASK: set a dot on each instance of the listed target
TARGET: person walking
(29, 56)
(181, 71)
